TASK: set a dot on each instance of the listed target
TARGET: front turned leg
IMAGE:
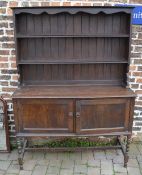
(20, 158)
(126, 157)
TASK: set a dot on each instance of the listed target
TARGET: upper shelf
(70, 36)
(72, 61)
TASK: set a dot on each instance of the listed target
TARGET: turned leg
(117, 140)
(117, 143)
(126, 157)
(20, 158)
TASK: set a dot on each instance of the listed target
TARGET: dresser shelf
(20, 36)
(70, 61)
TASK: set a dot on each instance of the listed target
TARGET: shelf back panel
(68, 24)
(75, 73)
(97, 49)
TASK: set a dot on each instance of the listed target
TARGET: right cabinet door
(102, 115)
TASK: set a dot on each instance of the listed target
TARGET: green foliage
(13, 146)
(75, 142)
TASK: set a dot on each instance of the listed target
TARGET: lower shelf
(75, 149)
(70, 134)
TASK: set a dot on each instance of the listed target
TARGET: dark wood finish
(75, 149)
(73, 64)
(54, 115)
(91, 114)
(74, 36)
(71, 61)
(67, 24)
(73, 73)
(82, 41)
(78, 48)
(73, 92)
(110, 133)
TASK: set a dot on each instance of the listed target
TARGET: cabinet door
(102, 115)
(44, 115)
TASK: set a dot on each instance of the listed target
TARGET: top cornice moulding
(72, 10)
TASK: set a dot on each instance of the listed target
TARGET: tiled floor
(2, 138)
(85, 163)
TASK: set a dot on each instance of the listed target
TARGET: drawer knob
(77, 114)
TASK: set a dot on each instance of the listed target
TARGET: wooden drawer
(43, 115)
(103, 115)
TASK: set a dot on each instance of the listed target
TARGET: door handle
(77, 114)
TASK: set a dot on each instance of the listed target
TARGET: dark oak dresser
(73, 64)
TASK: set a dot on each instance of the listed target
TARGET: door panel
(102, 115)
(44, 115)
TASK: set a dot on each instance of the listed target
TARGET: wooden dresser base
(73, 111)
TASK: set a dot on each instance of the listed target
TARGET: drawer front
(102, 115)
(44, 116)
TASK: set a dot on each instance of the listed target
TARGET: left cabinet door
(43, 115)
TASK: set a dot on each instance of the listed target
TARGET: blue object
(136, 13)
